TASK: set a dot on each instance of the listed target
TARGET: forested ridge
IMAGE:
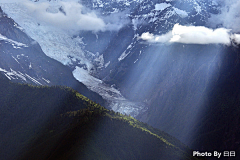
(40, 122)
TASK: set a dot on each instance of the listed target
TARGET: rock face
(22, 60)
(177, 82)
(182, 85)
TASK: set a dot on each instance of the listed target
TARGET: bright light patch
(161, 6)
(199, 35)
(236, 38)
(147, 36)
(73, 19)
(180, 12)
(193, 35)
(71, 15)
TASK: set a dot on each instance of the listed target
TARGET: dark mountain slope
(59, 123)
(24, 110)
(97, 133)
(218, 127)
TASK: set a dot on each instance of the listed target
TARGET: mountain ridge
(22, 60)
(180, 86)
(40, 128)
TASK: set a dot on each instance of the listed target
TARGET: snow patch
(12, 41)
(127, 3)
(30, 65)
(15, 59)
(46, 80)
(100, 60)
(116, 101)
(33, 79)
(162, 6)
(124, 54)
(96, 85)
(168, 15)
(55, 43)
(181, 13)
(106, 65)
(12, 74)
(198, 9)
(214, 3)
(135, 24)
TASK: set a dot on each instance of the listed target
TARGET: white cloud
(154, 39)
(193, 35)
(236, 38)
(116, 21)
(76, 17)
(12, 1)
(147, 36)
(199, 35)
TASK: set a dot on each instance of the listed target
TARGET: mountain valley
(126, 62)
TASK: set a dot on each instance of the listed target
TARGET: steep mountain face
(130, 64)
(40, 122)
(22, 60)
(71, 51)
(178, 82)
(111, 6)
(156, 17)
(179, 88)
(218, 125)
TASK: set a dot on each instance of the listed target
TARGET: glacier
(55, 43)
(116, 100)
(60, 45)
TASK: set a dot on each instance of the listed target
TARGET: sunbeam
(174, 80)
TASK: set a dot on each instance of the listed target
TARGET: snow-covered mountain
(162, 76)
(167, 85)
(22, 60)
(158, 18)
(175, 81)
(70, 50)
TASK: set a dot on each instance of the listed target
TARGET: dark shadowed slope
(218, 127)
(59, 123)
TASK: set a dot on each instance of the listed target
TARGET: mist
(71, 15)
(236, 38)
(229, 16)
(13, 1)
(193, 35)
